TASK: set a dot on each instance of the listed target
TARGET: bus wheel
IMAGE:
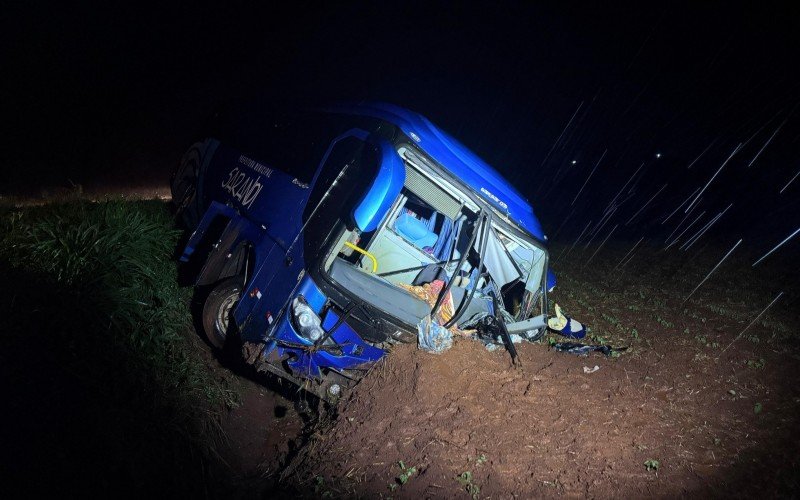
(218, 310)
(183, 185)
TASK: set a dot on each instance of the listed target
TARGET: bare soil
(709, 421)
(705, 395)
(260, 435)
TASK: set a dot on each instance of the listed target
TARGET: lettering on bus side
(494, 198)
(255, 166)
(243, 186)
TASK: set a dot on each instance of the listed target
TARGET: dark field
(108, 389)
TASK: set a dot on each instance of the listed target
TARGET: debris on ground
(535, 438)
(433, 337)
(585, 349)
(566, 326)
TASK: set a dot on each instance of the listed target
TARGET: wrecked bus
(313, 229)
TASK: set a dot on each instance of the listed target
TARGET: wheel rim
(224, 313)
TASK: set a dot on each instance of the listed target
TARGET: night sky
(98, 95)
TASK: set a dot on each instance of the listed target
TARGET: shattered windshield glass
(529, 259)
(509, 259)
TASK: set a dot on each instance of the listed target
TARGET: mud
(261, 433)
(549, 429)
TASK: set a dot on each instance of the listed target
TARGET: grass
(466, 481)
(98, 351)
(652, 465)
(406, 473)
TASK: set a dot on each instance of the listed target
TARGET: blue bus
(312, 228)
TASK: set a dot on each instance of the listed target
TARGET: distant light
(574, 162)
(658, 155)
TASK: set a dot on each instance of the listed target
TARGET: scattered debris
(585, 349)
(588, 370)
(433, 337)
(566, 326)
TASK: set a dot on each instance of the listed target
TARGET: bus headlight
(306, 320)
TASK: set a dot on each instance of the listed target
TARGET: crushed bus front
(398, 224)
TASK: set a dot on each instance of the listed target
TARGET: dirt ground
(676, 414)
(260, 435)
(469, 423)
(705, 401)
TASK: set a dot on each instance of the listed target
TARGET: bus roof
(456, 158)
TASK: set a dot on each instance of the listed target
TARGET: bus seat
(415, 231)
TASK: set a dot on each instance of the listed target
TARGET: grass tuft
(97, 325)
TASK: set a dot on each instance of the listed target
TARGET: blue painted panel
(215, 210)
(455, 158)
(384, 190)
(356, 353)
(551, 280)
(277, 273)
(260, 192)
(266, 294)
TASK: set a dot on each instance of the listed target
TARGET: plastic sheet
(433, 337)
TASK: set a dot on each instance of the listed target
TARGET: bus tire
(218, 310)
(183, 185)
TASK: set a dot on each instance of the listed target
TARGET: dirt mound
(471, 424)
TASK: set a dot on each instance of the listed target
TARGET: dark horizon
(112, 96)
